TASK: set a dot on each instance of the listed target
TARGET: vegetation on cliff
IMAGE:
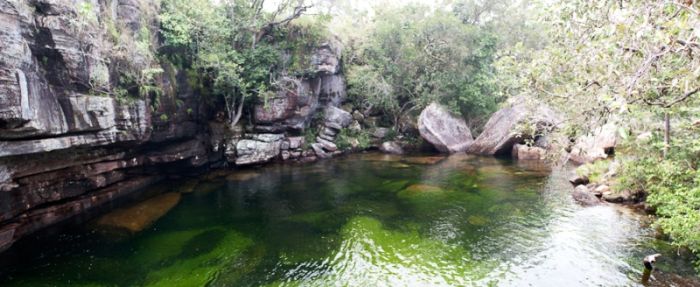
(237, 47)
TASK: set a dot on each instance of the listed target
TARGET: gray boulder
(262, 148)
(391, 147)
(448, 133)
(584, 197)
(337, 118)
(380, 132)
(501, 131)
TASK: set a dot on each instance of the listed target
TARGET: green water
(361, 220)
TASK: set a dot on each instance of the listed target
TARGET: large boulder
(443, 130)
(262, 148)
(596, 145)
(501, 132)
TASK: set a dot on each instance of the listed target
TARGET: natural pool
(361, 220)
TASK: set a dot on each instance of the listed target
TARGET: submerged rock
(477, 220)
(446, 132)
(243, 175)
(427, 160)
(190, 257)
(374, 156)
(139, 216)
(188, 186)
(420, 188)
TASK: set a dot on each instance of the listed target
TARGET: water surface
(361, 220)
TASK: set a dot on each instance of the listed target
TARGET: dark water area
(362, 220)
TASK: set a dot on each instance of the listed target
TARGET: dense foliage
(412, 58)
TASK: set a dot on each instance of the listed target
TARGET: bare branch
(674, 101)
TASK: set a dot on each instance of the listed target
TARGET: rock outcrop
(260, 149)
(446, 132)
(67, 143)
(292, 109)
(502, 131)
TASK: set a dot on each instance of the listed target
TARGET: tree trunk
(234, 109)
(667, 134)
(239, 112)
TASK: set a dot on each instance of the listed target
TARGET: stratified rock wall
(67, 144)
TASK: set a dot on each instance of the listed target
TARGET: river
(361, 220)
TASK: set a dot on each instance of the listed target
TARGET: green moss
(190, 258)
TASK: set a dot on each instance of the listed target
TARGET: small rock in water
(583, 196)
(578, 180)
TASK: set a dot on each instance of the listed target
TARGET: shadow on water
(367, 219)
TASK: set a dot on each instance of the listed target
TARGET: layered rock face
(291, 112)
(64, 149)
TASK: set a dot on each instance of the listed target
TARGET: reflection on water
(362, 220)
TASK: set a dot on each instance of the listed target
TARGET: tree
(231, 42)
(412, 58)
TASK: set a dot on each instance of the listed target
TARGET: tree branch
(645, 68)
(674, 101)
